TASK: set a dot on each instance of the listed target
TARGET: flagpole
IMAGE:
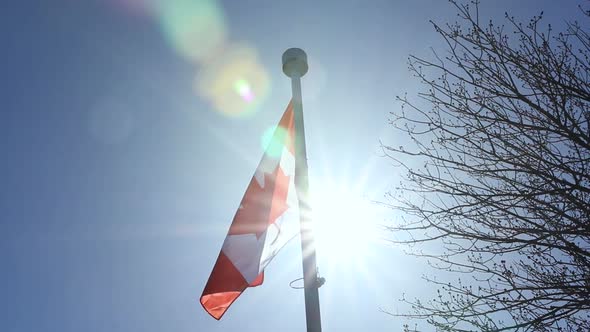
(295, 66)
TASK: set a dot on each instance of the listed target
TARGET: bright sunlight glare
(345, 225)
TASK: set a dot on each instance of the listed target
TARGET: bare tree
(502, 140)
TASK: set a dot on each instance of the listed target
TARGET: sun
(344, 224)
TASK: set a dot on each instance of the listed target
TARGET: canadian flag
(265, 221)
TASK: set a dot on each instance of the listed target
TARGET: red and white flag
(268, 217)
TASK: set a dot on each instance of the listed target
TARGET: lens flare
(234, 83)
(273, 140)
(242, 88)
(195, 28)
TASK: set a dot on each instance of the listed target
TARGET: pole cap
(294, 62)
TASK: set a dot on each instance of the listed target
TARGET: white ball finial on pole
(295, 62)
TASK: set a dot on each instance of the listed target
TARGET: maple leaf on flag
(262, 204)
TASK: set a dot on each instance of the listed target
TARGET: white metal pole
(295, 66)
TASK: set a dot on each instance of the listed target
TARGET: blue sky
(121, 167)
